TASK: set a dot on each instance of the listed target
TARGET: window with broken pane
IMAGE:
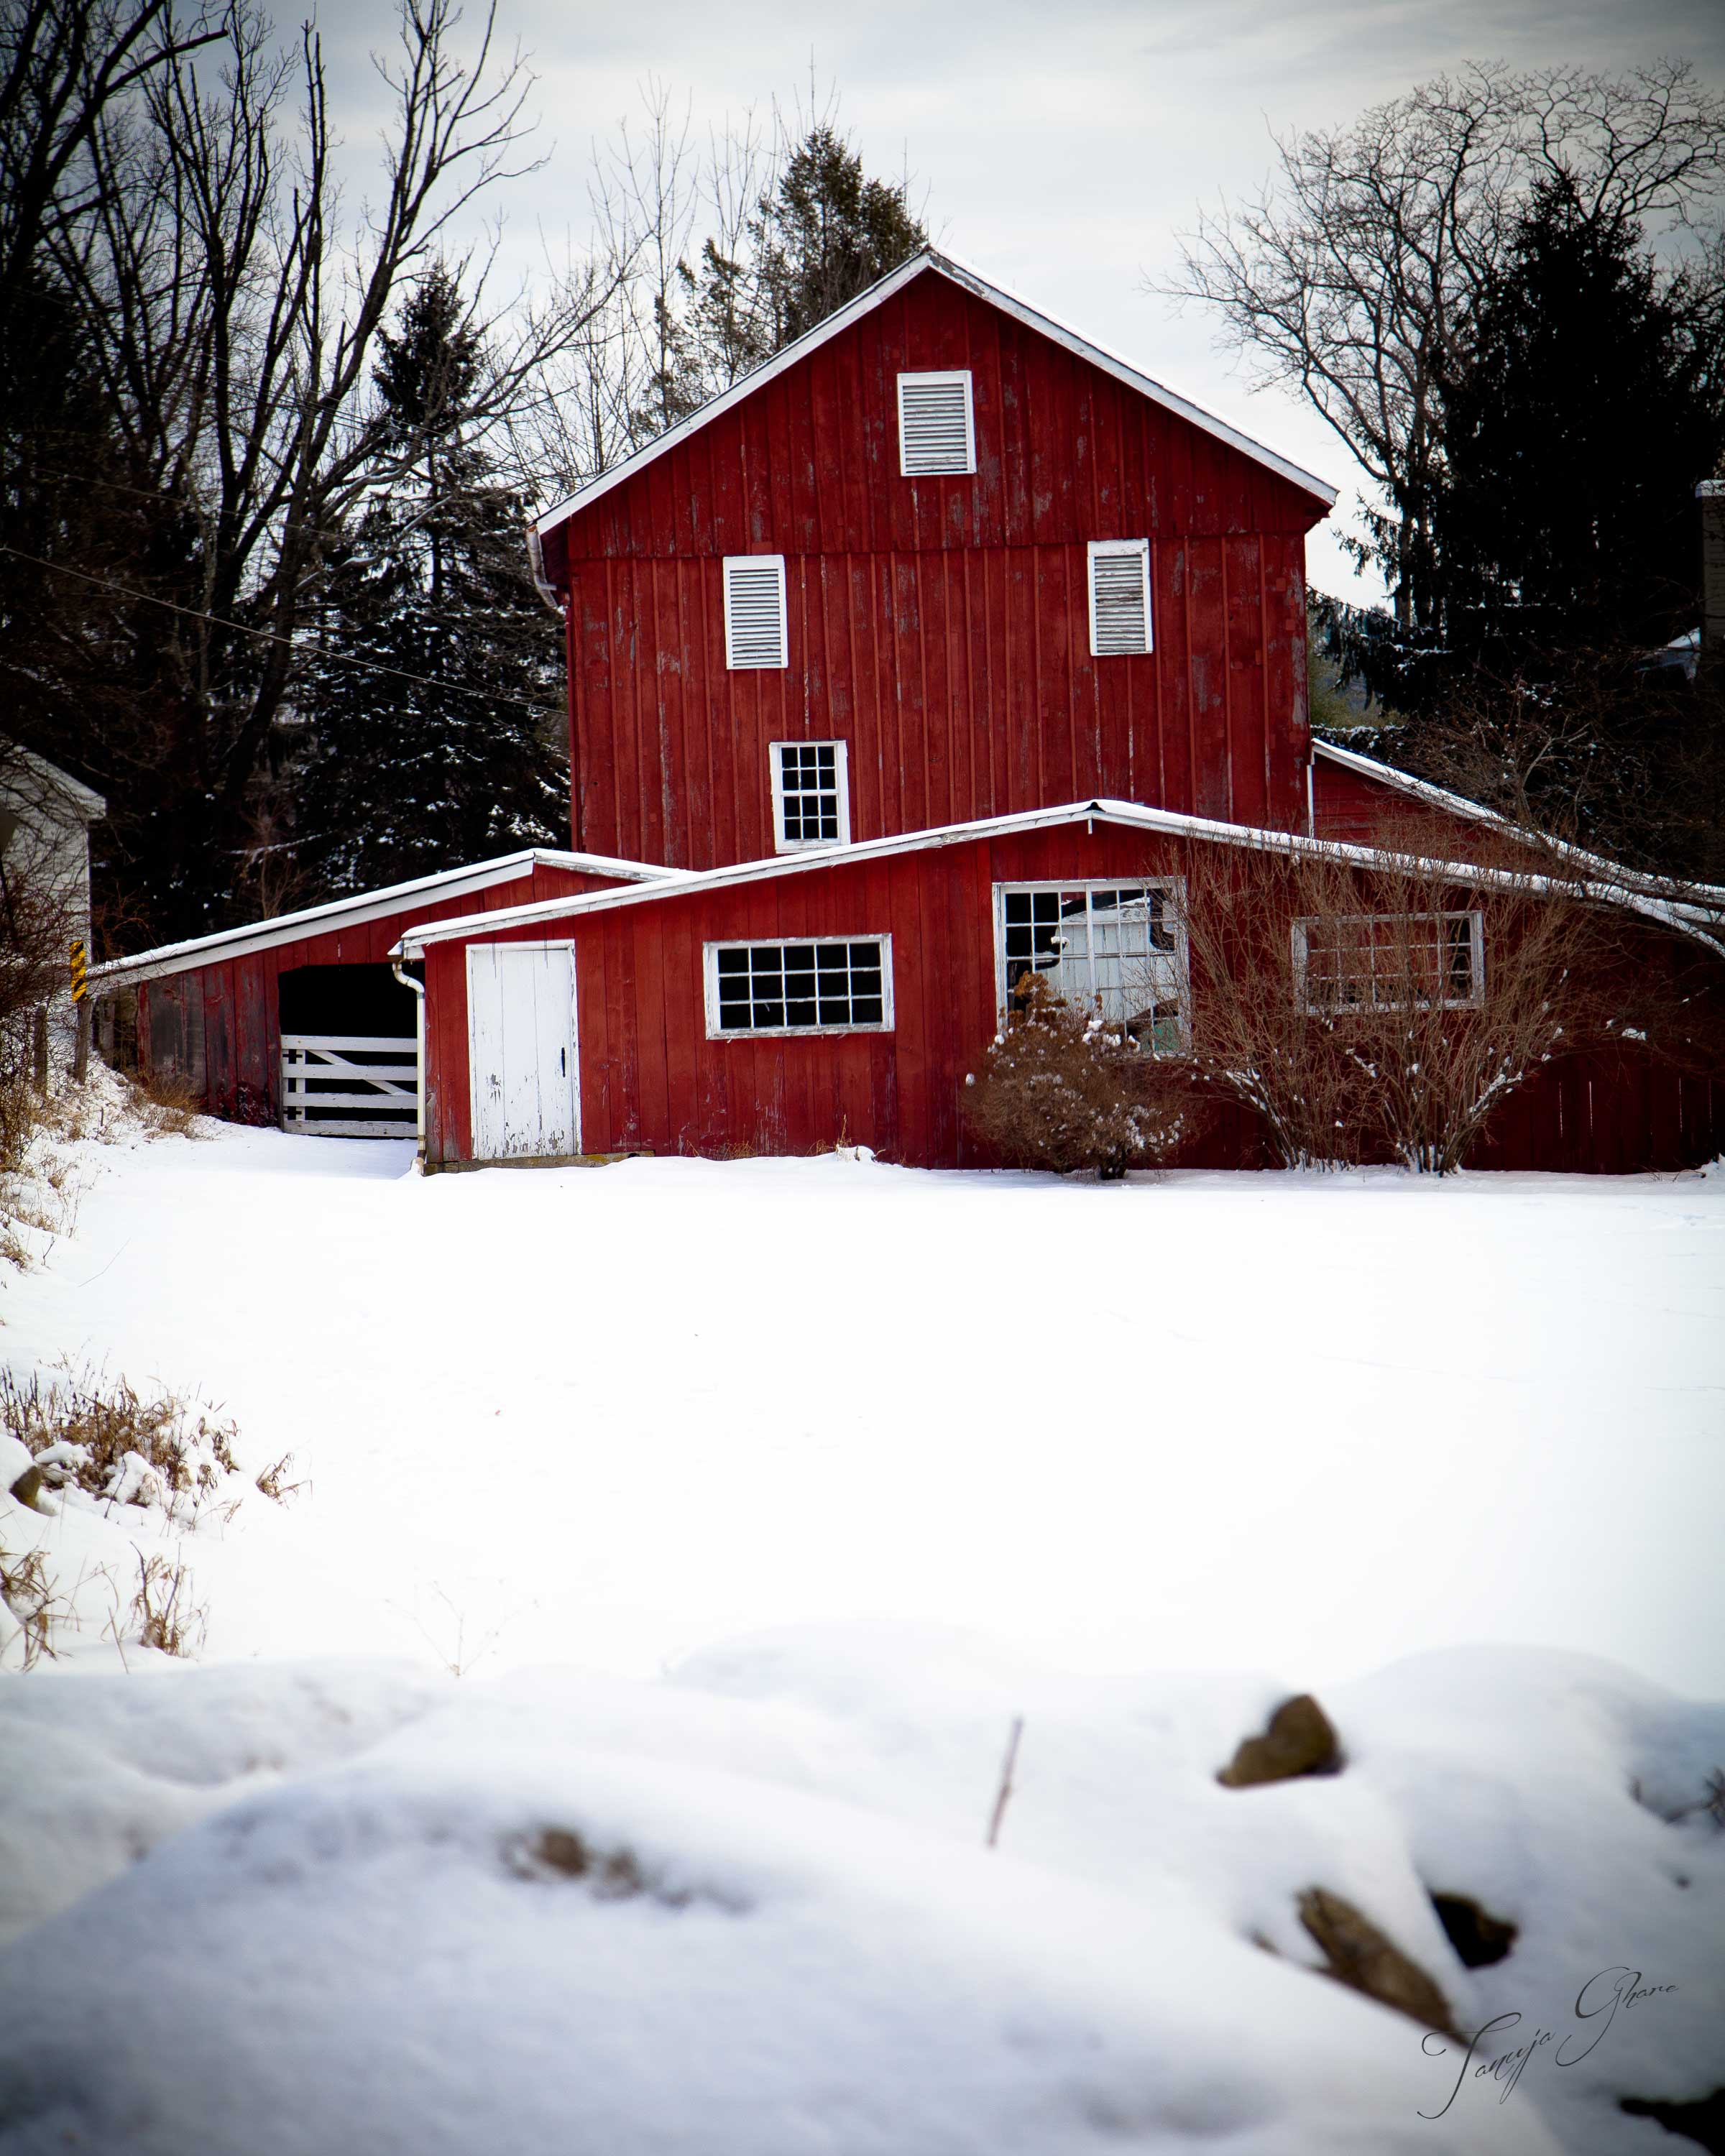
(1113, 947)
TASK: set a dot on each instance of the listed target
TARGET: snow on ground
(757, 1499)
(1209, 1422)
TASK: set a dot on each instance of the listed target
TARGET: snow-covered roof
(26, 777)
(366, 905)
(1696, 901)
(997, 295)
(1167, 822)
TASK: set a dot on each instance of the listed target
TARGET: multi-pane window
(1119, 597)
(1389, 961)
(1117, 948)
(936, 428)
(810, 796)
(828, 983)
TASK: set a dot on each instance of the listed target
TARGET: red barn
(940, 559)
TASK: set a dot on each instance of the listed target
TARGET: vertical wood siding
(652, 1081)
(217, 1026)
(941, 626)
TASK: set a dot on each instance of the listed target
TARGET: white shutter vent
(754, 610)
(1119, 597)
(935, 432)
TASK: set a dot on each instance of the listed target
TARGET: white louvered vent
(936, 433)
(1119, 597)
(754, 610)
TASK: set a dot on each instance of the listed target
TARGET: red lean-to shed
(632, 1018)
(301, 1019)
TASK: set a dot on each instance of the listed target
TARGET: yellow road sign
(81, 987)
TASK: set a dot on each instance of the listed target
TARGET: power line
(273, 636)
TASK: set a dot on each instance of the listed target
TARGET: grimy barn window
(830, 983)
(811, 795)
(1390, 961)
(1120, 948)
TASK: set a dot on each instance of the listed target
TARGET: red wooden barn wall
(219, 1026)
(1361, 810)
(650, 1078)
(940, 626)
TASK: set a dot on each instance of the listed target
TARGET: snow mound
(748, 1912)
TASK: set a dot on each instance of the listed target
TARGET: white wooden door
(521, 1046)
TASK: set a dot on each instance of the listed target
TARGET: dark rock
(1300, 1740)
(28, 1489)
(1702, 2123)
(1478, 1937)
(1358, 1954)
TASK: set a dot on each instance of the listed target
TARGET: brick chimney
(1711, 495)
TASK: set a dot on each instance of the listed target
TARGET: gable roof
(414, 941)
(929, 260)
(350, 912)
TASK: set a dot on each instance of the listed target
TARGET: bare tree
(1349, 276)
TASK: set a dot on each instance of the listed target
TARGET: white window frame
(710, 970)
(1472, 914)
(1113, 549)
(732, 663)
(951, 374)
(841, 778)
(1173, 887)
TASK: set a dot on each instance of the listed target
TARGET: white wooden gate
(349, 1085)
(521, 1046)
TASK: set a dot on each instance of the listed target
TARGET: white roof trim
(366, 905)
(1708, 900)
(415, 940)
(997, 295)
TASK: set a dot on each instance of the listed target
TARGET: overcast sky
(1061, 149)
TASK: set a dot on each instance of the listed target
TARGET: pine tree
(1586, 400)
(432, 700)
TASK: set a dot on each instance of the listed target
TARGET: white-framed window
(1118, 947)
(1390, 961)
(1119, 597)
(811, 794)
(937, 426)
(754, 610)
(818, 984)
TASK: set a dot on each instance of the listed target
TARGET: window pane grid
(790, 988)
(1388, 962)
(1113, 949)
(809, 790)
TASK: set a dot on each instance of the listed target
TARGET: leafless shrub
(31, 1602)
(166, 1106)
(274, 1482)
(166, 1616)
(164, 1452)
(1063, 1089)
(1382, 1010)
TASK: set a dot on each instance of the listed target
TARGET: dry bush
(166, 1106)
(1064, 1089)
(102, 1435)
(31, 1604)
(1383, 1010)
(165, 1614)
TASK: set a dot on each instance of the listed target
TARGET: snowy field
(753, 1502)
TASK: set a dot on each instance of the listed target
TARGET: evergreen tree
(1586, 400)
(454, 752)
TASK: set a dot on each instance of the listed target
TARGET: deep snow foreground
(612, 1420)
(748, 1912)
(1208, 1422)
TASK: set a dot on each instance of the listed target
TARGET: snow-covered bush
(1063, 1090)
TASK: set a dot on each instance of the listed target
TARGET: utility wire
(273, 636)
